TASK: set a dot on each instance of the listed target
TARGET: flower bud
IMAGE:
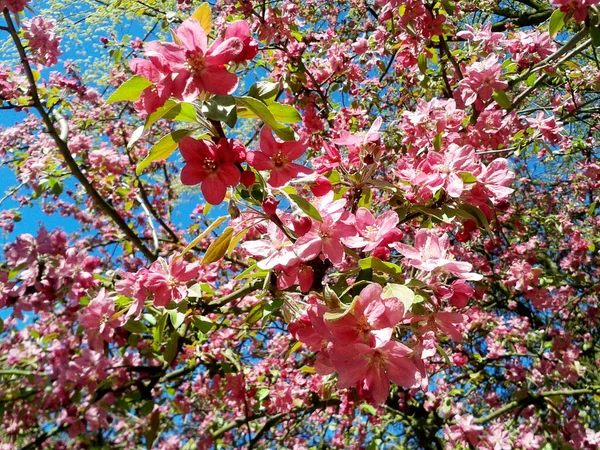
(321, 186)
(302, 225)
(247, 178)
(270, 205)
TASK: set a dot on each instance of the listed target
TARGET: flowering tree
(302, 224)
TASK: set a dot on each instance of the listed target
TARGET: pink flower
(276, 250)
(241, 29)
(429, 254)
(325, 237)
(372, 320)
(277, 156)
(43, 41)
(371, 369)
(14, 6)
(212, 165)
(156, 70)
(199, 68)
(97, 320)
(496, 178)
(168, 281)
(371, 231)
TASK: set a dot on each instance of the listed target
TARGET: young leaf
(264, 90)
(557, 22)
(205, 233)
(202, 15)
(284, 113)
(217, 249)
(502, 99)
(130, 90)
(163, 148)
(402, 293)
(262, 112)
(306, 207)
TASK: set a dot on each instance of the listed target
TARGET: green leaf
(437, 142)
(221, 108)
(284, 113)
(171, 348)
(195, 291)
(252, 272)
(502, 99)
(163, 148)
(130, 90)
(235, 240)
(368, 409)
(255, 314)
(262, 393)
(306, 207)
(135, 326)
(1, 325)
(402, 293)
(219, 246)
(477, 215)
(380, 266)
(468, 177)
(557, 22)
(365, 198)
(176, 318)
(159, 332)
(205, 233)
(595, 35)
(203, 16)
(264, 90)
(172, 110)
(262, 112)
(422, 63)
(336, 314)
(146, 408)
(202, 323)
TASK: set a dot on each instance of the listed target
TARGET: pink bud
(270, 205)
(382, 253)
(302, 225)
(321, 186)
(247, 178)
(104, 40)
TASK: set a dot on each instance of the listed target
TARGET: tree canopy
(300, 224)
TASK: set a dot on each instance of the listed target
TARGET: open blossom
(372, 320)
(496, 178)
(371, 369)
(211, 165)
(241, 29)
(372, 232)
(14, 6)
(168, 280)
(155, 69)
(481, 80)
(43, 41)
(275, 250)
(429, 254)
(98, 321)
(198, 68)
(276, 156)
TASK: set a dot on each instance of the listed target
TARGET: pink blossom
(325, 237)
(211, 165)
(276, 156)
(372, 232)
(14, 6)
(168, 280)
(372, 368)
(43, 41)
(429, 254)
(198, 68)
(372, 319)
(98, 321)
(276, 250)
